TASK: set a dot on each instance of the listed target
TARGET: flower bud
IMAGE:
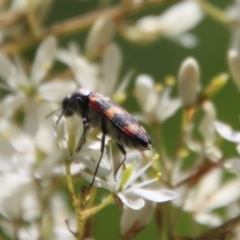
(133, 222)
(188, 81)
(234, 65)
(216, 84)
(145, 92)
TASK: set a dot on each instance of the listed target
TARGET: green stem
(214, 12)
(86, 214)
(75, 201)
(82, 216)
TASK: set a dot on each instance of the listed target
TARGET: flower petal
(102, 171)
(137, 174)
(233, 164)
(55, 91)
(32, 118)
(43, 60)
(132, 221)
(206, 126)
(81, 68)
(61, 134)
(132, 203)
(111, 63)
(8, 72)
(208, 218)
(186, 40)
(160, 195)
(227, 132)
(180, 18)
(97, 182)
(189, 139)
(167, 106)
(173, 23)
(207, 186)
(99, 36)
(11, 103)
(224, 196)
(18, 187)
(120, 93)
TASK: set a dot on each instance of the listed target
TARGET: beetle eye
(66, 106)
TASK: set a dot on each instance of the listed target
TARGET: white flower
(68, 139)
(27, 172)
(172, 24)
(132, 193)
(41, 157)
(18, 202)
(206, 148)
(157, 107)
(209, 194)
(27, 92)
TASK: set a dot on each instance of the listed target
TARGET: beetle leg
(82, 139)
(123, 151)
(104, 131)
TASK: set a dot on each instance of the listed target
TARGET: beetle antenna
(52, 113)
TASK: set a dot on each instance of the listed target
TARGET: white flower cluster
(31, 162)
(34, 152)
